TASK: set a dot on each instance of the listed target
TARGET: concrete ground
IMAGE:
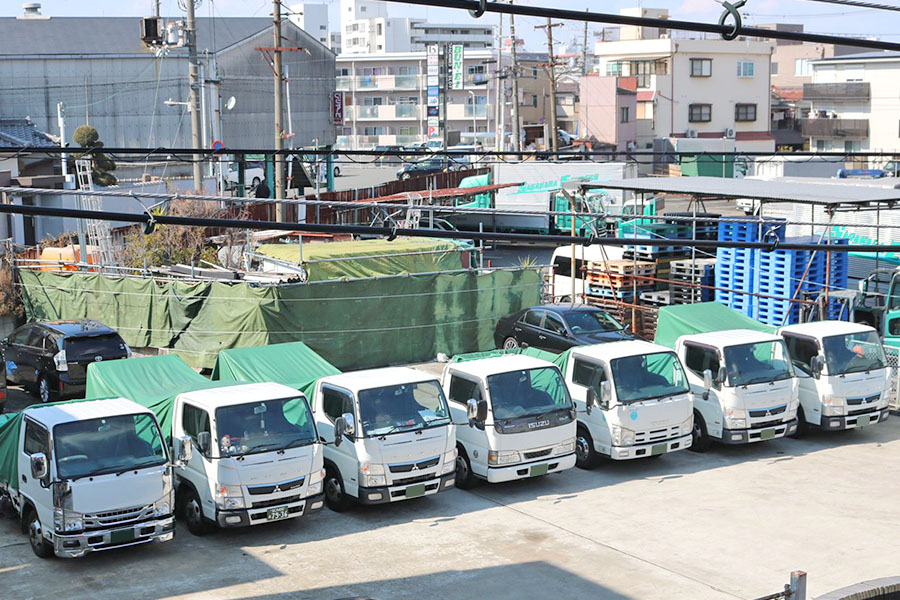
(731, 523)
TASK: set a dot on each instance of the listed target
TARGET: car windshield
(528, 393)
(107, 445)
(264, 426)
(853, 353)
(404, 407)
(648, 376)
(107, 345)
(758, 362)
(590, 321)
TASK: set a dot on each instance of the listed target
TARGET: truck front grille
(275, 488)
(116, 517)
(653, 436)
(537, 453)
(866, 400)
(409, 480)
(767, 412)
(275, 502)
(414, 466)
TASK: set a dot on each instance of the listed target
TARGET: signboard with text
(457, 70)
(433, 89)
(337, 108)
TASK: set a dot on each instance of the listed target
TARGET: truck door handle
(517, 329)
(542, 337)
(24, 479)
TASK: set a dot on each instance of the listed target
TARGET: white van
(561, 280)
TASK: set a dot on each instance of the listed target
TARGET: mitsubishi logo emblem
(768, 413)
(415, 467)
(277, 489)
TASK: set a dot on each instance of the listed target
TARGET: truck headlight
(162, 508)
(314, 488)
(375, 480)
(371, 469)
(65, 521)
(564, 448)
(622, 436)
(687, 426)
(735, 418)
(833, 406)
(503, 457)
(449, 462)
(229, 497)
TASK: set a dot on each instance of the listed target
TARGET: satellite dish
(230, 103)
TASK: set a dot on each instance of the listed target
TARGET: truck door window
(700, 358)
(562, 266)
(37, 439)
(463, 389)
(802, 351)
(335, 403)
(588, 374)
(194, 420)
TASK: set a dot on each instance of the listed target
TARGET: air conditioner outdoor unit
(151, 30)
(729, 133)
(691, 133)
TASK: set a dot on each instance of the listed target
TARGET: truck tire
(465, 480)
(335, 496)
(585, 455)
(192, 511)
(802, 425)
(701, 441)
(39, 545)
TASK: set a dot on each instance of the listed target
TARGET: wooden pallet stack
(618, 279)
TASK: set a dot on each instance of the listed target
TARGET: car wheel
(337, 171)
(585, 455)
(405, 176)
(510, 343)
(335, 496)
(701, 441)
(39, 545)
(464, 478)
(256, 181)
(44, 393)
(193, 513)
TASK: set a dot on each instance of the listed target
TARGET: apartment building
(313, 19)
(608, 111)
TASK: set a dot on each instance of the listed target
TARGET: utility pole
(190, 36)
(551, 69)
(584, 52)
(498, 106)
(516, 131)
(279, 113)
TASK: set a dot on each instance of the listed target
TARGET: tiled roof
(22, 132)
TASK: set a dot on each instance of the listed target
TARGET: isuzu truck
(90, 475)
(519, 414)
(632, 398)
(744, 386)
(843, 374)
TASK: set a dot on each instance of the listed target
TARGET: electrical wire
(860, 3)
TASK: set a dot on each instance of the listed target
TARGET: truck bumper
(71, 388)
(533, 469)
(855, 421)
(255, 516)
(76, 545)
(396, 493)
(644, 450)
(748, 436)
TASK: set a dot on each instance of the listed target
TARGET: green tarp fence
(370, 258)
(702, 317)
(293, 364)
(352, 324)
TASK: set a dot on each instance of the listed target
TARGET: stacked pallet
(618, 279)
(688, 275)
(737, 269)
(705, 228)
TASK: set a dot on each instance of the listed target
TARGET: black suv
(50, 358)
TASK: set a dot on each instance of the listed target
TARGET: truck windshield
(648, 376)
(590, 321)
(107, 445)
(404, 407)
(264, 426)
(758, 362)
(853, 352)
(528, 393)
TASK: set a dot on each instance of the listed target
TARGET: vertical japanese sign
(457, 70)
(337, 108)
(433, 90)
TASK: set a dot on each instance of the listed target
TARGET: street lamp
(474, 126)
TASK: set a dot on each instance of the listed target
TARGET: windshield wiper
(140, 465)
(761, 379)
(253, 449)
(392, 429)
(665, 395)
(290, 444)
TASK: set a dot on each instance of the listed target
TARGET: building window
(379, 47)
(613, 68)
(774, 68)
(701, 67)
(355, 27)
(623, 114)
(802, 68)
(745, 68)
(362, 9)
(744, 112)
(700, 113)
(820, 145)
(378, 29)
(534, 72)
(408, 70)
(475, 69)
(323, 27)
(407, 131)
(344, 72)
(478, 100)
(373, 131)
(534, 100)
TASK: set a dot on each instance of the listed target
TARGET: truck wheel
(193, 513)
(464, 478)
(585, 455)
(35, 535)
(45, 395)
(510, 343)
(335, 496)
(802, 425)
(700, 441)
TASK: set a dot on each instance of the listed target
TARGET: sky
(816, 17)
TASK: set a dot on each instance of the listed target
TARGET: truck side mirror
(38, 465)
(590, 400)
(204, 442)
(817, 365)
(721, 375)
(707, 383)
(476, 411)
(605, 394)
(182, 450)
(343, 425)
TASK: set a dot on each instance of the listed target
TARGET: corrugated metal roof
(22, 132)
(829, 192)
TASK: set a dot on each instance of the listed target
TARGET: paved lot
(731, 523)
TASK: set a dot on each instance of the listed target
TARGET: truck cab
(843, 374)
(744, 386)
(521, 420)
(632, 399)
(91, 475)
(388, 434)
(257, 456)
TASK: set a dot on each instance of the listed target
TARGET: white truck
(843, 374)
(388, 435)
(744, 386)
(632, 398)
(88, 475)
(520, 415)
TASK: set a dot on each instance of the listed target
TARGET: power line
(860, 3)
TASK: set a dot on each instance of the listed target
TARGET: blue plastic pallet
(736, 231)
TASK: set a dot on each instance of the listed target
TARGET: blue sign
(217, 145)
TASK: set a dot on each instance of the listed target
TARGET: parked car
(429, 166)
(388, 159)
(558, 327)
(254, 172)
(50, 358)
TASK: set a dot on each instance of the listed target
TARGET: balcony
(835, 128)
(367, 142)
(342, 84)
(377, 82)
(384, 112)
(478, 111)
(850, 91)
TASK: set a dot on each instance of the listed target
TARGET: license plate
(767, 434)
(538, 470)
(276, 514)
(658, 449)
(414, 491)
(121, 536)
(862, 421)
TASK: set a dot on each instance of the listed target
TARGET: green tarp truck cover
(557, 359)
(703, 317)
(294, 364)
(153, 382)
(371, 258)
(10, 426)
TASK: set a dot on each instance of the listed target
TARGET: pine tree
(101, 166)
